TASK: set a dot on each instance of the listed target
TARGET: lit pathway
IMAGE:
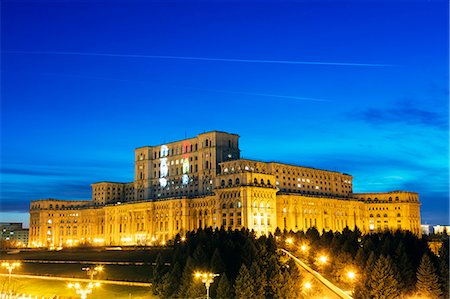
(67, 279)
(340, 293)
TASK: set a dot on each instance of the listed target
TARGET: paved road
(340, 293)
(67, 279)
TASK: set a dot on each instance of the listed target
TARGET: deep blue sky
(83, 84)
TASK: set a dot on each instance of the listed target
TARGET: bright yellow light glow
(289, 241)
(303, 248)
(351, 275)
(307, 285)
(126, 239)
(70, 285)
(99, 268)
(163, 243)
(99, 240)
(183, 239)
(323, 259)
(97, 284)
(198, 274)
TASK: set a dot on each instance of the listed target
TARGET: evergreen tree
(260, 280)
(382, 282)
(427, 279)
(158, 273)
(244, 285)
(187, 278)
(217, 265)
(444, 268)
(274, 277)
(224, 288)
(200, 256)
(170, 281)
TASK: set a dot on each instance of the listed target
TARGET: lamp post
(207, 279)
(10, 267)
(92, 271)
(83, 292)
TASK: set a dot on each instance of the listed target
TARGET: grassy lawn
(47, 288)
(90, 254)
(140, 273)
(110, 272)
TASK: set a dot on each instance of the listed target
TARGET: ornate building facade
(203, 182)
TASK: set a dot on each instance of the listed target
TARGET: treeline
(249, 267)
(387, 265)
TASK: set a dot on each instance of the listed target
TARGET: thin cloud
(195, 88)
(404, 114)
(204, 58)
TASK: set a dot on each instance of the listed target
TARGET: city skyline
(360, 88)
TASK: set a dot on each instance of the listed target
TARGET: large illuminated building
(203, 182)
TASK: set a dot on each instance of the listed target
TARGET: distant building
(14, 233)
(203, 182)
(426, 229)
(442, 229)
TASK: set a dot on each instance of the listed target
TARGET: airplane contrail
(198, 88)
(204, 58)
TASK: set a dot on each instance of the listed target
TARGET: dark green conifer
(444, 268)
(259, 279)
(382, 281)
(244, 285)
(427, 280)
(217, 264)
(224, 288)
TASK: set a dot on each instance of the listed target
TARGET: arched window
(255, 181)
(206, 142)
(224, 206)
(396, 198)
(238, 204)
(390, 198)
(378, 215)
(231, 205)
(238, 181)
(51, 206)
(222, 183)
(262, 182)
(385, 215)
(261, 205)
(230, 182)
(371, 215)
(398, 215)
(268, 205)
(255, 204)
(268, 182)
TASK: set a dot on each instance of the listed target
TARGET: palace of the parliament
(202, 182)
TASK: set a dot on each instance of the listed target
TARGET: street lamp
(289, 241)
(83, 292)
(323, 259)
(351, 275)
(207, 279)
(92, 271)
(10, 267)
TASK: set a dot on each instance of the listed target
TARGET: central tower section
(185, 168)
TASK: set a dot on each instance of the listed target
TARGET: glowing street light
(207, 278)
(304, 248)
(289, 241)
(307, 285)
(83, 292)
(92, 271)
(351, 275)
(10, 267)
(323, 259)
